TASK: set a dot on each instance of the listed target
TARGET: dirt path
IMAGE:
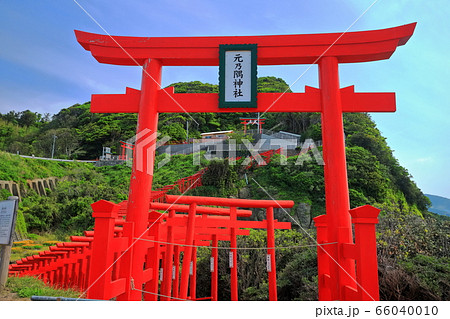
(7, 295)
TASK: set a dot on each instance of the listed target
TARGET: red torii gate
(210, 228)
(124, 147)
(249, 121)
(326, 50)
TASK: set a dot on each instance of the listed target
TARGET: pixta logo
(145, 143)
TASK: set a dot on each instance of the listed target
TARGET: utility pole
(187, 132)
(259, 124)
(54, 142)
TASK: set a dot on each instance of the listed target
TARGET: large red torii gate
(326, 50)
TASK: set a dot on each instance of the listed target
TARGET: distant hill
(439, 205)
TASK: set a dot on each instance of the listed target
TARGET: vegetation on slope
(66, 210)
(17, 169)
(82, 134)
(412, 243)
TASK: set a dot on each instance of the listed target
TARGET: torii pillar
(142, 170)
(342, 271)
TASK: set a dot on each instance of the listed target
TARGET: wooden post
(323, 260)
(5, 255)
(126, 261)
(337, 202)
(105, 214)
(233, 255)
(214, 268)
(176, 271)
(168, 260)
(364, 218)
(142, 172)
(153, 258)
(193, 279)
(187, 257)
(271, 264)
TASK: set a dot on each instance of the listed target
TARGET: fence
(65, 265)
(100, 261)
(185, 183)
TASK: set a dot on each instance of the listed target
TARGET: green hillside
(18, 169)
(413, 250)
(82, 134)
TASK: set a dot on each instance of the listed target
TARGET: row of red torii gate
(155, 233)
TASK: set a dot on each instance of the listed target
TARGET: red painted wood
(323, 258)
(335, 171)
(215, 268)
(142, 171)
(153, 258)
(233, 251)
(176, 280)
(168, 262)
(362, 46)
(190, 233)
(364, 218)
(126, 259)
(105, 214)
(170, 102)
(272, 274)
(200, 209)
(193, 276)
(216, 201)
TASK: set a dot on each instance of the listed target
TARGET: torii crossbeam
(326, 50)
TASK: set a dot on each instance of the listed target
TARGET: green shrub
(33, 236)
(33, 247)
(21, 226)
(4, 194)
(432, 273)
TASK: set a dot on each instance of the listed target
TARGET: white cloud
(424, 159)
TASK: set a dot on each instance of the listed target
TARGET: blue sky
(44, 69)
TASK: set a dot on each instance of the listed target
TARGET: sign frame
(7, 240)
(223, 48)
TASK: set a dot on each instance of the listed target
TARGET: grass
(25, 287)
(17, 169)
(178, 167)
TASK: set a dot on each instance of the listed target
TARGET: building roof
(219, 132)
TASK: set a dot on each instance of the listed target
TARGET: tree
(12, 117)
(271, 84)
(28, 118)
(366, 176)
(67, 141)
(43, 145)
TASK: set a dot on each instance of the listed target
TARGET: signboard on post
(7, 221)
(237, 75)
(8, 214)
